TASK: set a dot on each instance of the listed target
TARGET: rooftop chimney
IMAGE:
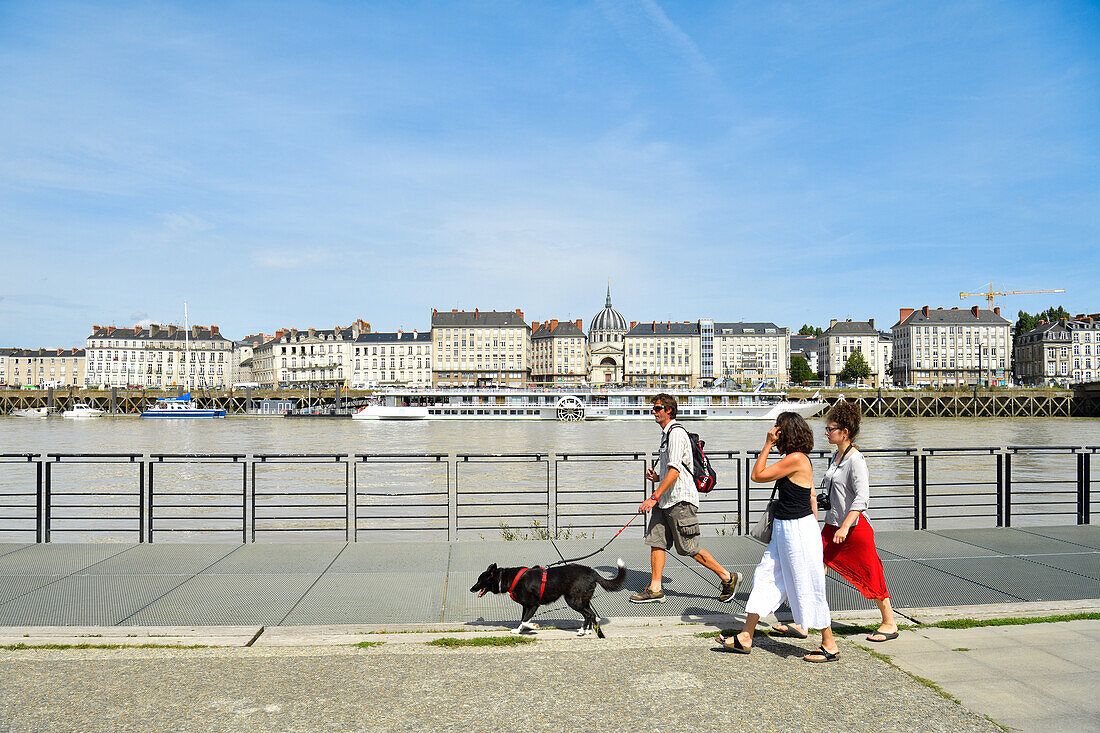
(974, 310)
(832, 322)
(577, 323)
(924, 310)
(534, 325)
(871, 322)
(904, 313)
(519, 313)
(997, 310)
(215, 331)
(553, 324)
(475, 314)
(633, 324)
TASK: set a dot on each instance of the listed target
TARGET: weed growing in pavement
(369, 644)
(850, 629)
(973, 623)
(422, 631)
(735, 528)
(540, 531)
(451, 642)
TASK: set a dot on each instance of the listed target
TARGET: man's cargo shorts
(677, 525)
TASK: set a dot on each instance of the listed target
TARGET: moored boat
(31, 412)
(577, 405)
(180, 407)
(82, 410)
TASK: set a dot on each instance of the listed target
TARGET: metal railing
(257, 497)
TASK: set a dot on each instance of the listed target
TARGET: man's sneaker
(729, 587)
(648, 596)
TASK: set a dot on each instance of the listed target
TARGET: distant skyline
(307, 164)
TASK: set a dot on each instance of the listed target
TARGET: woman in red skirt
(848, 537)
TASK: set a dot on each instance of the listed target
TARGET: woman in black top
(792, 568)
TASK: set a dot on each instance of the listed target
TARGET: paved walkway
(292, 613)
(109, 584)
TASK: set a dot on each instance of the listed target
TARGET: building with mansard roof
(156, 357)
(937, 347)
(559, 353)
(480, 348)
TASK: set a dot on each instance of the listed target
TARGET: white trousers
(792, 569)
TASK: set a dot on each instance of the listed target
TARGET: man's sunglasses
(658, 408)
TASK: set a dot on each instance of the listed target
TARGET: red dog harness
(519, 575)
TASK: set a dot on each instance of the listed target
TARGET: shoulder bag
(762, 530)
(825, 498)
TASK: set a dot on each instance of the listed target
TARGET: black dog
(534, 587)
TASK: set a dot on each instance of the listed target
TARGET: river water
(407, 499)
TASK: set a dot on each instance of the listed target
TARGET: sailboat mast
(186, 349)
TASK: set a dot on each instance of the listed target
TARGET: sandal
(736, 647)
(786, 631)
(825, 656)
(884, 635)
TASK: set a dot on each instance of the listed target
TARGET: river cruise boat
(180, 407)
(83, 410)
(577, 405)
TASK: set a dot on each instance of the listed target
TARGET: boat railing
(256, 497)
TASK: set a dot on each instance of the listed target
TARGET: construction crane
(990, 293)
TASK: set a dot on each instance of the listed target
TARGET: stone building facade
(480, 348)
(156, 357)
(559, 353)
(937, 347)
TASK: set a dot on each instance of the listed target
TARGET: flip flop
(736, 648)
(786, 631)
(827, 656)
(884, 635)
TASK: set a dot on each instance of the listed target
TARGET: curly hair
(795, 435)
(846, 415)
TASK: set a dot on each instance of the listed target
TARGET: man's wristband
(655, 497)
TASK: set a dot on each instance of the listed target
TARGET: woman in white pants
(792, 568)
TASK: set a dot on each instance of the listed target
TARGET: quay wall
(1081, 402)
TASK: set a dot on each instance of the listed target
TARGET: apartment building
(1060, 353)
(157, 357)
(42, 367)
(748, 353)
(480, 348)
(843, 338)
(660, 355)
(308, 359)
(936, 347)
(241, 363)
(397, 359)
(559, 353)
(809, 348)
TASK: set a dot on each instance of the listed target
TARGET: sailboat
(182, 406)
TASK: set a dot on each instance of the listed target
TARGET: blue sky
(306, 164)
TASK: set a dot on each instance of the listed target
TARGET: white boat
(31, 412)
(83, 409)
(180, 407)
(578, 405)
(387, 412)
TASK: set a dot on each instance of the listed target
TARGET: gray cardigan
(850, 490)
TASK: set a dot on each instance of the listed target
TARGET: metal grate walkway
(424, 582)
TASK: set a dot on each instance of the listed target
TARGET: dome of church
(608, 319)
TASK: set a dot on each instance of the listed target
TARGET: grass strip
(369, 644)
(451, 642)
(18, 647)
(974, 623)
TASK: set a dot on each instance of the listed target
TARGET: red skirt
(856, 559)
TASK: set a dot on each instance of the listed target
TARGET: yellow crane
(990, 293)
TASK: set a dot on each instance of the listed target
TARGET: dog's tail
(616, 582)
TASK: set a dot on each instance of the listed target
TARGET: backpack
(701, 470)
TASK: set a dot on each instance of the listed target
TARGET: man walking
(674, 506)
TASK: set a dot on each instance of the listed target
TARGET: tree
(800, 370)
(855, 368)
(1025, 321)
(808, 330)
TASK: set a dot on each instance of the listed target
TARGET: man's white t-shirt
(675, 451)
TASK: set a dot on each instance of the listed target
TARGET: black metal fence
(261, 497)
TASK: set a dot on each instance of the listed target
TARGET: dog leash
(563, 561)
